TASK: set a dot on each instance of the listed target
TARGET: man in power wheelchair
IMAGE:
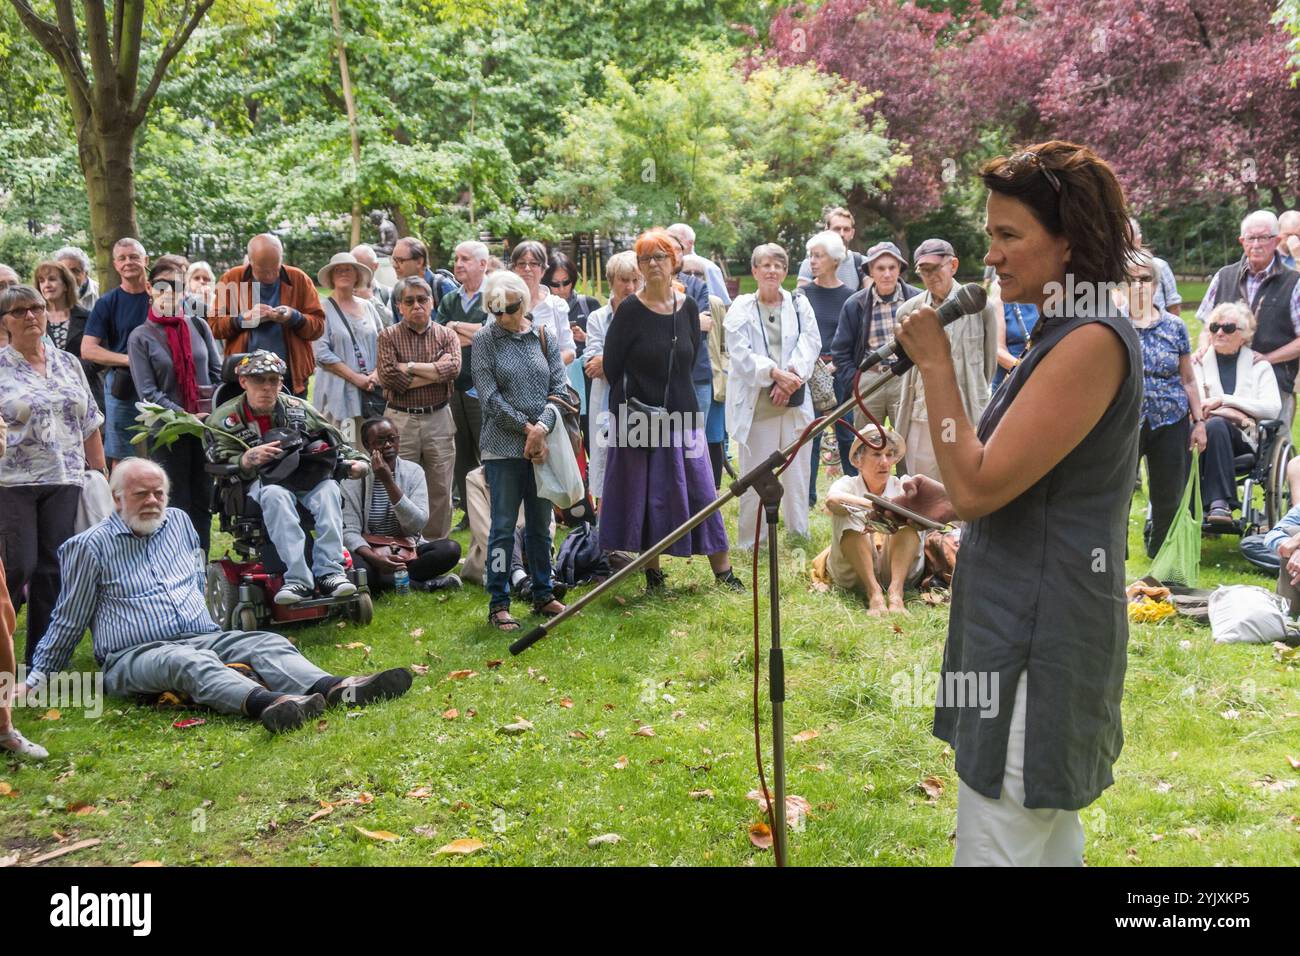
(278, 464)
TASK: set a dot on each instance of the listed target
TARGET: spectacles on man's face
(23, 310)
(658, 258)
(690, 272)
(1258, 240)
(417, 300)
(510, 309)
(1228, 327)
(405, 258)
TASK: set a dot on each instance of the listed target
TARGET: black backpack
(580, 560)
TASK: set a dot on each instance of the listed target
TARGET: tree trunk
(355, 134)
(108, 163)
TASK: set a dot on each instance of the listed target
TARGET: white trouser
(766, 435)
(1004, 832)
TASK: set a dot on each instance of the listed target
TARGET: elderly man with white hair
(463, 314)
(378, 294)
(1272, 292)
(717, 284)
(269, 305)
(1166, 297)
(78, 264)
(136, 580)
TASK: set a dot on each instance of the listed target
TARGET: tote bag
(1179, 559)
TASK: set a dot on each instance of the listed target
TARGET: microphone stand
(762, 478)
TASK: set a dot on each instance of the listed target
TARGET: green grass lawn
(1193, 787)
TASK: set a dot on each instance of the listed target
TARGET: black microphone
(970, 298)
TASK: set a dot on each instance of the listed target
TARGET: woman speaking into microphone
(1043, 482)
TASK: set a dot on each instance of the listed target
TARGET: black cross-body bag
(655, 413)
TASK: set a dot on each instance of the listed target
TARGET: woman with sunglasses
(1238, 390)
(529, 261)
(562, 279)
(516, 364)
(1171, 410)
(175, 363)
(1043, 482)
(53, 424)
(657, 472)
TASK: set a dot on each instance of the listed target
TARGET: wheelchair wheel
(248, 619)
(220, 596)
(1277, 496)
(363, 609)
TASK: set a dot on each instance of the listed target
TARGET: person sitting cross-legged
(277, 485)
(136, 580)
(855, 561)
(391, 506)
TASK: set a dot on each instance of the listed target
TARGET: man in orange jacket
(268, 305)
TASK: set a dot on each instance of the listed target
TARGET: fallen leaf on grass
(51, 714)
(608, 706)
(619, 599)
(451, 714)
(677, 714)
(1157, 837)
(492, 664)
(321, 725)
(566, 703)
(701, 794)
(459, 805)
(1229, 714)
(804, 736)
(363, 798)
(1269, 785)
(325, 810)
(420, 669)
(420, 793)
(470, 712)
(425, 830)
(1163, 786)
(933, 787)
(646, 731)
(603, 839)
(353, 645)
(621, 763)
(82, 809)
(382, 835)
(578, 735)
(760, 834)
(1192, 832)
(795, 805)
(7, 790)
(417, 632)
(148, 863)
(462, 847)
(520, 726)
(1295, 764)
(461, 675)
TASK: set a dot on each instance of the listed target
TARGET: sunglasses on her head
(1228, 327)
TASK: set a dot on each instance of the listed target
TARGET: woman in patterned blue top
(1172, 421)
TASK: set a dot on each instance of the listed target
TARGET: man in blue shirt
(115, 316)
(136, 580)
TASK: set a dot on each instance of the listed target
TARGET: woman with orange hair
(657, 472)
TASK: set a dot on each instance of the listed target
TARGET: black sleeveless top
(1039, 585)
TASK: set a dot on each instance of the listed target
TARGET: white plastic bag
(558, 478)
(96, 502)
(1247, 614)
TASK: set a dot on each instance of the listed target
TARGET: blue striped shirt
(128, 589)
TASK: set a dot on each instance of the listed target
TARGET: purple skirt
(650, 492)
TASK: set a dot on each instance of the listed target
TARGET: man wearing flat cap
(869, 320)
(974, 341)
(292, 455)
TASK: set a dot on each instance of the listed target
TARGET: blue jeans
(280, 515)
(510, 483)
(843, 435)
(119, 416)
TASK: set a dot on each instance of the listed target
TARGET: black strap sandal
(502, 621)
(543, 607)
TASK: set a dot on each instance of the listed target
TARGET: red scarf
(178, 342)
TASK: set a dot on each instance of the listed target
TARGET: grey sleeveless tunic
(1039, 585)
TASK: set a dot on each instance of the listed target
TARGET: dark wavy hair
(1072, 192)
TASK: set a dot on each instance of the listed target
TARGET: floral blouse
(49, 419)
(1163, 344)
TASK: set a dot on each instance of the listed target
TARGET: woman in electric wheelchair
(292, 456)
(1238, 390)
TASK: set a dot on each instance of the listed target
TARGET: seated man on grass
(136, 580)
(390, 507)
(855, 561)
(285, 477)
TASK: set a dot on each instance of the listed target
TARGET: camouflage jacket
(234, 419)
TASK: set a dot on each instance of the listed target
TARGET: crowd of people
(453, 386)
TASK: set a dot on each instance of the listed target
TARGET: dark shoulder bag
(653, 413)
(373, 402)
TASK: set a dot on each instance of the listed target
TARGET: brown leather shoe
(359, 691)
(291, 711)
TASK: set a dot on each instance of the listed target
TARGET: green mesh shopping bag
(1179, 559)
